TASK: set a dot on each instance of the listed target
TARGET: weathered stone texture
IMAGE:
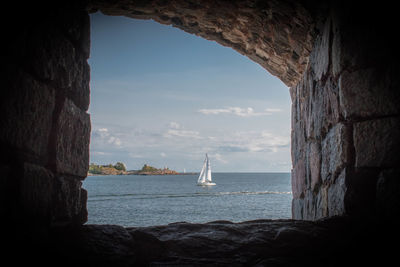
(263, 31)
(320, 142)
(299, 179)
(336, 195)
(345, 112)
(36, 192)
(61, 63)
(72, 140)
(46, 66)
(377, 143)
(334, 152)
(365, 94)
(222, 243)
(297, 208)
(315, 165)
(69, 201)
(319, 56)
(322, 204)
(27, 108)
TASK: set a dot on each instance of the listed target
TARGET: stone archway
(344, 88)
(342, 66)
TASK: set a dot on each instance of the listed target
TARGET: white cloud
(272, 110)
(167, 143)
(182, 133)
(176, 130)
(103, 135)
(174, 125)
(135, 156)
(238, 111)
(219, 158)
(252, 141)
(114, 141)
(99, 153)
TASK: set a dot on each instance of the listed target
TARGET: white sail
(205, 174)
(202, 176)
(208, 176)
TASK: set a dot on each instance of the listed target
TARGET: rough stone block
(309, 211)
(298, 137)
(314, 158)
(72, 140)
(336, 194)
(377, 142)
(350, 47)
(51, 56)
(298, 141)
(319, 57)
(77, 26)
(365, 94)
(299, 179)
(322, 110)
(332, 106)
(79, 92)
(336, 52)
(27, 107)
(69, 201)
(297, 208)
(335, 151)
(36, 192)
(321, 205)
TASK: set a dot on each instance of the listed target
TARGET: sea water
(135, 200)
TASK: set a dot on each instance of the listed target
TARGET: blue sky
(165, 97)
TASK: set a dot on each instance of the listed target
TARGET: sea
(138, 200)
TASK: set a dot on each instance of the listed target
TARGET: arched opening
(163, 97)
(345, 132)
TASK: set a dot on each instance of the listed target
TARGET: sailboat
(205, 174)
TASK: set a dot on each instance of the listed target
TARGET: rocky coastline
(100, 170)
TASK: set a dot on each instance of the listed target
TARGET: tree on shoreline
(120, 166)
(99, 169)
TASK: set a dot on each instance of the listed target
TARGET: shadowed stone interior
(340, 65)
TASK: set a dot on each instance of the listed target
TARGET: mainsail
(205, 173)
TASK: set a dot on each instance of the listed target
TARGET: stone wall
(45, 128)
(345, 119)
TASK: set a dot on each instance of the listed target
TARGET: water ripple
(106, 197)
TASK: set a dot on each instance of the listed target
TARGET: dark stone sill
(336, 241)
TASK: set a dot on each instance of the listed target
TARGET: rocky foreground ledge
(332, 242)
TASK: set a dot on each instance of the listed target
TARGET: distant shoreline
(186, 173)
(142, 173)
(120, 169)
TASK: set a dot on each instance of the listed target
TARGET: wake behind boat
(205, 174)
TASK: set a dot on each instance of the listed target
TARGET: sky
(163, 97)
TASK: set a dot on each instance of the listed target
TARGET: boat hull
(206, 184)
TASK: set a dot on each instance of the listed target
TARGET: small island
(120, 169)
